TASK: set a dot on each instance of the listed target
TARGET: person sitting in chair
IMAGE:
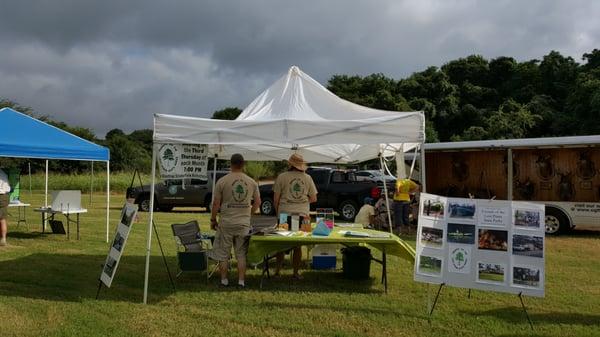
(236, 198)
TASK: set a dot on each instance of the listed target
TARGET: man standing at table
(4, 200)
(293, 192)
(237, 198)
(404, 188)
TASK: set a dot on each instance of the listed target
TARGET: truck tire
(144, 203)
(556, 221)
(267, 207)
(348, 210)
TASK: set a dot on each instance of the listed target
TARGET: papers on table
(283, 233)
(358, 234)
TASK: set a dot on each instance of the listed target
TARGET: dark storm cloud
(106, 64)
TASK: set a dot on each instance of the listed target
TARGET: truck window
(319, 176)
(337, 177)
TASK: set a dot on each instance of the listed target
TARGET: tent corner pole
(423, 173)
(150, 223)
(387, 198)
(46, 193)
(214, 178)
(107, 196)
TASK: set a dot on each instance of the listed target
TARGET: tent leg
(91, 182)
(45, 195)
(387, 199)
(107, 199)
(29, 166)
(214, 178)
(150, 223)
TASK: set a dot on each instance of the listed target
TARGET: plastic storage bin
(324, 257)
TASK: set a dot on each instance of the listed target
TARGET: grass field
(48, 284)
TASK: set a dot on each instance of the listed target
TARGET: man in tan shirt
(237, 198)
(293, 192)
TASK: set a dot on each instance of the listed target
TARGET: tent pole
(46, 188)
(149, 231)
(214, 178)
(387, 199)
(422, 168)
(46, 194)
(29, 166)
(107, 196)
(91, 183)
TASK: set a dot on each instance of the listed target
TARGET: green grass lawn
(491, 277)
(48, 284)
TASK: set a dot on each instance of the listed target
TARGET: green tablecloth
(261, 245)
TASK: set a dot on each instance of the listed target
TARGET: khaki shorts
(225, 239)
(3, 206)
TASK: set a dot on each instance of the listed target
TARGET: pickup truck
(337, 189)
(175, 193)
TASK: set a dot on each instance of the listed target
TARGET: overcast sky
(113, 63)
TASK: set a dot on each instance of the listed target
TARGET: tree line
(470, 98)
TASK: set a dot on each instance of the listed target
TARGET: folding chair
(192, 248)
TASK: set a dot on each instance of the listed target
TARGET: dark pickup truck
(175, 193)
(337, 189)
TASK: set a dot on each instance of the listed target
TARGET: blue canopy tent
(22, 136)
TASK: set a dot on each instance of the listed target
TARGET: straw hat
(297, 161)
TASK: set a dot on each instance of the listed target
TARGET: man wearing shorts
(237, 198)
(4, 190)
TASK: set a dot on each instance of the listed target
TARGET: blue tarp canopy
(26, 137)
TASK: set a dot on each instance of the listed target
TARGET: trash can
(356, 261)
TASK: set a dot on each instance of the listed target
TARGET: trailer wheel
(557, 221)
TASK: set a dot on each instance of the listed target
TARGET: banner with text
(128, 214)
(481, 244)
(179, 161)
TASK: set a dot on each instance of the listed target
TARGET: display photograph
(461, 210)
(528, 245)
(109, 267)
(118, 242)
(490, 272)
(490, 239)
(430, 265)
(127, 217)
(433, 208)
(526, 276)
(461, 233)
(432, 237)
(527, 219)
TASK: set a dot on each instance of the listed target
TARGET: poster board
(109, 269)
(492, 245)
(179, 161)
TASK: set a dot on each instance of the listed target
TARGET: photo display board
(128, 214)
(179, 161)
(492, 245)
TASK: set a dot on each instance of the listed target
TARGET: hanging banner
(128, 214)
(179, 161)
(481, 244)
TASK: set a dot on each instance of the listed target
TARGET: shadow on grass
(582, 233)
(26, 235)
(74, 278)
(516, 315)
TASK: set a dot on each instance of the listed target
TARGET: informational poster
(492, 245)
(128, 214)
(179, 161)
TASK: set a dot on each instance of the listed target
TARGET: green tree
(229, 113)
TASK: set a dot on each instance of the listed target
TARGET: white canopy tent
(295, 114)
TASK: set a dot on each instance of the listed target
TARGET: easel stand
(163, 257)
(520, 295)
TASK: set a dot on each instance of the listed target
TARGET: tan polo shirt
(295, 188)
(236, 191)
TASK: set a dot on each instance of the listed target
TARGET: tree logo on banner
(459, 258)
(239, 191)
(297, 190)
(168, 157)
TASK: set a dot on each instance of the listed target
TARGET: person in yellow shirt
(404, 188)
